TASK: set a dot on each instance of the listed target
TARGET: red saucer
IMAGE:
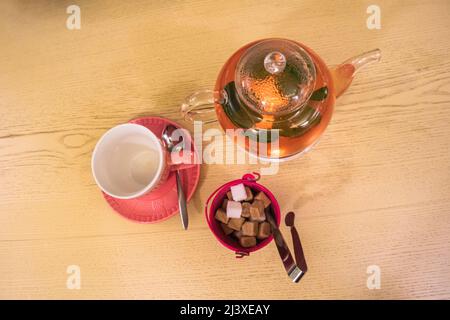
(162, 203)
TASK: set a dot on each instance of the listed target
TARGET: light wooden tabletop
(374, 191)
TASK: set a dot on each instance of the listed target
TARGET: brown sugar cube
(249, 194)
(224, 204)
(221, 215)
(236, 223)
(229, 195)
(227, 230)
(237, 234)
(257, 211)
(245, 209)
(247, 242)
(262, 196)
(264, 230)
(250, 228)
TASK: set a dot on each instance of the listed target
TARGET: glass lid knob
(275, 62)
(275, 76)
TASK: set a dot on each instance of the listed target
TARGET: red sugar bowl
(217, 198)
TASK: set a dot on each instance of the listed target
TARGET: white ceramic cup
(129, 161)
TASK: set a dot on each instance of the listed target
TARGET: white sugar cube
(234, 209)
(238, 192)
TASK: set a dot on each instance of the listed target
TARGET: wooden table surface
(374, 191)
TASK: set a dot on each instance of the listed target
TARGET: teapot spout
(343, 74)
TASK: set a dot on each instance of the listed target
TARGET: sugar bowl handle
(254, 176)
(200, 106)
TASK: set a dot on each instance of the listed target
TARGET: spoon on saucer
(175, 146)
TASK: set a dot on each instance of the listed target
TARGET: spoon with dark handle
(298, 250)
(175, 146)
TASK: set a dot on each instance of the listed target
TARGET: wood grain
(375, 191)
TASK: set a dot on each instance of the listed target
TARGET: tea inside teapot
(285, 90)
(276, 89)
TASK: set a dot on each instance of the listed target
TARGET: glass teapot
(275, 84)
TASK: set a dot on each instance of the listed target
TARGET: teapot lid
(275, 76)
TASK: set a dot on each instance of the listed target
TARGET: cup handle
(199, 106)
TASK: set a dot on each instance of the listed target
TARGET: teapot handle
(199, 106)
(343, 74)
